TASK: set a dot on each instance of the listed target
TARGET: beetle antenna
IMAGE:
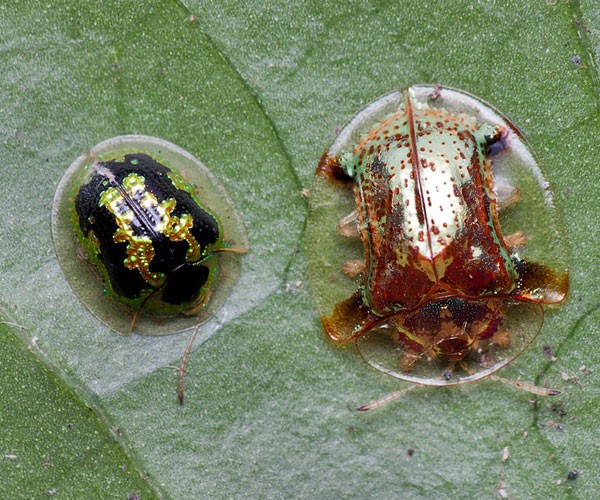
(134, 318)
(526, 386)
(184, 361)
(137, 312)
(392, 396)
(233, 250)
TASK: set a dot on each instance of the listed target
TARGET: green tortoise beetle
(158, 229)
(147, 233)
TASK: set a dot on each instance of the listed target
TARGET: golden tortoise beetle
(452, 233)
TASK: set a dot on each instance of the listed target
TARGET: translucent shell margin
(84, 278)
(535, 214)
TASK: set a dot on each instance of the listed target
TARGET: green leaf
(256, 90)
(51, 443)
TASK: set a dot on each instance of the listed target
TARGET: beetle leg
(349, 319)
(81, 253)
(515, 240)
(501, 338)
(348, 226)
(408, 361)
(354, 268)
(464, 367)
(198, 307)
(506, 193)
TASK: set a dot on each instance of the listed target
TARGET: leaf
(256, 90)
(51, 443)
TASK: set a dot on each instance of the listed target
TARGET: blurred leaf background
(256, 90)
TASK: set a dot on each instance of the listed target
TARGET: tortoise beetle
(452, 234)
(125, 208)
